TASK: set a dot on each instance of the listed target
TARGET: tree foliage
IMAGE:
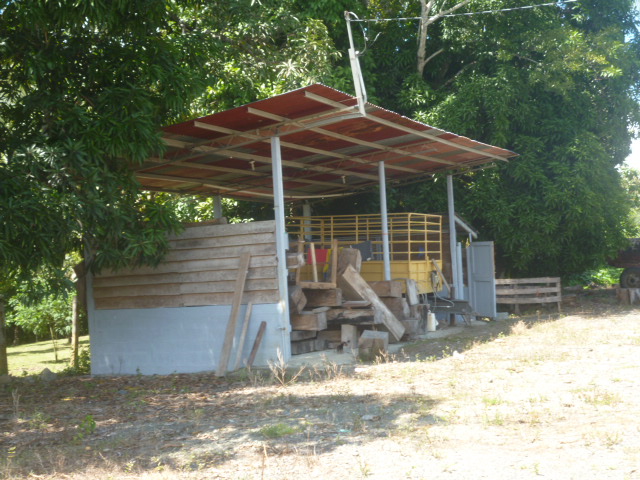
(556, 84)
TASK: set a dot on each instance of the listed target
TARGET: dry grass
(530, 397)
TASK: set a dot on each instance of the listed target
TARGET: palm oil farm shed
(314, 142)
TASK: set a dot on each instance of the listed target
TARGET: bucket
(431, 322)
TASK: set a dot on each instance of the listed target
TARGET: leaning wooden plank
(349, 256)
(308, 320)
(331, 297)
(354, 287)
(243, 335)
(233, 318)
(441, 275)
(398, 306)
(256, 344)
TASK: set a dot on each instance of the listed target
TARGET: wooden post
(243, 268)
(312, 252)
(334, 260)
(79, 309)
(256, 344)
(4, 364)
(243, 335)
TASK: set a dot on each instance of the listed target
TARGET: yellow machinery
(415, 242)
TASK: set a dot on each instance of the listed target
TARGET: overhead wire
(511, 9)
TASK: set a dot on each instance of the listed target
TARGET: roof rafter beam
(413, 131)
(375, 146)
(216, 186)
(259, 158)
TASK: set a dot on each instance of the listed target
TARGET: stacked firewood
(352, 315)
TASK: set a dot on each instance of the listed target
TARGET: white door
(481, 278)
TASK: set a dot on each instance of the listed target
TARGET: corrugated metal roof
(328, 149)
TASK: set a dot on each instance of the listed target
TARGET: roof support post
(281, 245)
(386, 258)
(217, 206)
(452, 238)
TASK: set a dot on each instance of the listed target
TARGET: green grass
(35, 357)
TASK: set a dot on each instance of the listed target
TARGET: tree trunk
(4, 364)
(79, 309)
(426, 6)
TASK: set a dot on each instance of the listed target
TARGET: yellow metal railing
(414, 240)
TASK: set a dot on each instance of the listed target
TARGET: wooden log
(354, 287)
(387, 288)
(349, 315)
(323, 298)
(317, 285)
(309, 321)
(349, 256)
(411, 288)
(349, 335)
(297, 335)
(331, 336)
(372, 343)
(256, 344)
(398, 306)
(411, 327)
(297, 299)
(307, 346)
(356, 304)
(233, 318)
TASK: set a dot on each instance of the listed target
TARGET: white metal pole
(386, 258)
(281, 245)
(452, 236)
(358, 81)
(306, 213)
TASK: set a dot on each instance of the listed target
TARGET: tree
(84, 88)
(556, 84)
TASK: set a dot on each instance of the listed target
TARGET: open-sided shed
(315, 142)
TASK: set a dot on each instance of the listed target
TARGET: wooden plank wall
(200, 269)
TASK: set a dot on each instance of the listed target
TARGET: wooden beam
(410, 130)
(243, 268)
(356, 288)
(243, 335)
(256, 344)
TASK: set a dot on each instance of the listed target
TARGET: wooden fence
(200, 269)
(526, 291)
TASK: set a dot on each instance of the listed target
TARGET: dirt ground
(536, 396)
